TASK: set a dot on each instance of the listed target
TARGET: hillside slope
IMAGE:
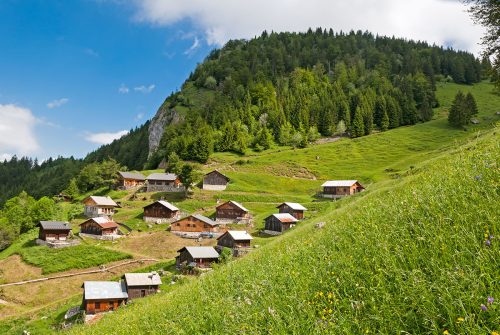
(420, 256)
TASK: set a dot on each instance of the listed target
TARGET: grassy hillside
(410, 259)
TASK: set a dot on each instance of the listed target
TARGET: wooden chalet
(161, 212)
(163, 182)
(340, 188)
(235, 239)
(54, 230)
(232, 211)
(195, 223)
(294, 209)
(280, 222)
(128, 180)
(201, 257)
(103, 296)
(99, 206)
(140, 285)
(215, 181)
(99, 226)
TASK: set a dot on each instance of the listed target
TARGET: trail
(103, 269)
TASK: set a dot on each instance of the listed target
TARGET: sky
(77, 74)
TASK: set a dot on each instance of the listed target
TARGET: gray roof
(132, 175)
(162, 176)
(201, 252)
(142, 279)
(54, 225)
(239, 235)
(205, 219)
(237, 204)
(285, 217)
(103, 201)
(339, 183)
(294, 206)
(165, 204)
(218, 172)
(104, 290)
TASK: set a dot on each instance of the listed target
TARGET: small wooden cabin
(163, 182)
(195, 223)
(340, 188)
(160, 212)
(99, 206)
(140, 285)
(99, 226)
(201, 257)
(280, 222)
(231, 211)
(215, 181)
(103, 296)
(294, 209)
(54, 230)
(128, 180)
(235, 239)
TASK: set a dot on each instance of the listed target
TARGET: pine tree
(470, 105)
(72, 190)
(384, 124)
(426, 111)
(358, 127)
(457, 116)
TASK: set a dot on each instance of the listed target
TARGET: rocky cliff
(164, 116)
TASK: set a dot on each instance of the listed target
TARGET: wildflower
(460, 320)
(490, 300)
(492, 237)
(494, 333)
(484, 308)
(488, 243)
(446, 332)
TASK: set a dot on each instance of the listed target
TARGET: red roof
(108, 225)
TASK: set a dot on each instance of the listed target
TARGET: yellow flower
(460, 320)
(446, 332)
(494, 333)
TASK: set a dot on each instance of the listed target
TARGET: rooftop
(237, 204)
(162, 176)
(294, 206)
(132, 175)
(165, 204)
(285, 217)
(103, 201)
(54, 225)
(142, 279)
(103, 222)
(205, 219)
(104, 290)
(239, 235)
(201, 252)
(339, 183)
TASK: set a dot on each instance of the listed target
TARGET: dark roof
(237, 204)
(217, 172)
(165, 204)
(162, 176)
(54, 225)
(131, 175)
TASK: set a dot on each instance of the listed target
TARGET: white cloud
(4, 157)
(17, 131)
(105, 138)
(436, 21)
(123, 89)
(145, 89)
(91, 52)
(57, 103)
(196, 44)
(139, 116)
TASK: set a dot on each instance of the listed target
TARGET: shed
(128, 180)
(54, 230)
(163, 182)
(341, 188)
(141, 284)
(195, 223)
(99, 226)
(160, 212)
(280, 222)
(292, 208)
(99, 206)
(201, 256)
(235, 239)
(103, 296)
(215, 181)
(231, 211)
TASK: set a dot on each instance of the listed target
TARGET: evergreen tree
(426, 111)
(470, 105)
(458, 115)
(384, 123)
(174, 164)
(72, 190)
(341, 128)
(358, 126)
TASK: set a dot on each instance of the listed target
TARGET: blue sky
(76, 74)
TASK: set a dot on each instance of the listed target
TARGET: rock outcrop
(164, 116)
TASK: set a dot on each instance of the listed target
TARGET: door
(143, 293)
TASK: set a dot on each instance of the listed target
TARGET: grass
(77, 257)
(412, 259)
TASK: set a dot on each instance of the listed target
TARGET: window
(97, 305)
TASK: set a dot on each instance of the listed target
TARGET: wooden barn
(215, 181)
(161, 212)
(280, 222)
(103, 296)
(163, 182)
(232, 211)
(201, 257)
(140, 285)
(294, 209)
(99, 206)
(234, 239)
(340, 188)
(195, 223)
(99, 226)
(54, 230)
(128, 180)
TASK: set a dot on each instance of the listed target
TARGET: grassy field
(78, 257)
(385, 162)
(413, 259)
